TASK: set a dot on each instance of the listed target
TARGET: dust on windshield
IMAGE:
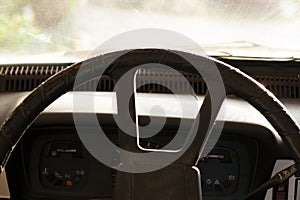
(31, 27)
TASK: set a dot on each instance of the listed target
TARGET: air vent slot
(26, 77)
(160, 82)
(105, 84)
(283, 83)
(282, 86)
(31, 70)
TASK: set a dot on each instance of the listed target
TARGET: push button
(69, 183)
(208, 181)
(77, 179)
(231, 178)
(227, 184)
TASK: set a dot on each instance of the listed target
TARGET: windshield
(30, 27)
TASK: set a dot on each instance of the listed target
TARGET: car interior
(146, 100)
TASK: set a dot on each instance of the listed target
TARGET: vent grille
(165, 81)
(282, 86)
(105, 84)
(27, 77)
(31, 70)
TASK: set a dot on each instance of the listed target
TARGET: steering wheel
(178, 180)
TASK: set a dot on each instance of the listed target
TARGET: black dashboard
(55, 164)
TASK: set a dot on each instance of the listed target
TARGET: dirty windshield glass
(30, 27)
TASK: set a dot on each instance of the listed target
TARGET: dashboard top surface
(233, 109)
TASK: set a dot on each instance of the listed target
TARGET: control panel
(59, 166)
(51, 178)
(219, 182)
(62, 166)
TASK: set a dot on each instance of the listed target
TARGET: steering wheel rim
(235, 81)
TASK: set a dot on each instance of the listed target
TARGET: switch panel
(59, 166)
(62, 165)
(216, 181)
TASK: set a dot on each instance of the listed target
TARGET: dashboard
(55, 164)
(51, 162)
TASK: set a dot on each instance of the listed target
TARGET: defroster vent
(283, 83)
